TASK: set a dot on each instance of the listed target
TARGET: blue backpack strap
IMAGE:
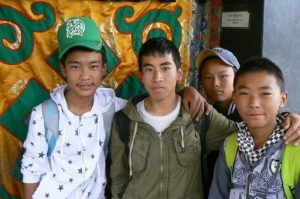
(50, 114)
(107, 121)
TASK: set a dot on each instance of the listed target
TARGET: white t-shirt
(159, 123)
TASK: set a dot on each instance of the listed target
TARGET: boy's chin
(86, 93)
(156, 97)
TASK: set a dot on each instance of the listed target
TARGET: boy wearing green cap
(75, 166)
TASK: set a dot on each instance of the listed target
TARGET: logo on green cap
(75, 27)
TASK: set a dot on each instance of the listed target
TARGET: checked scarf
(246, 142)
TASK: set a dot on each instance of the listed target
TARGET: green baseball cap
(78, 31)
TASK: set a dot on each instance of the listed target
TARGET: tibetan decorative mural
(29, 65)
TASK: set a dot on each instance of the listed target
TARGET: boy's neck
(261, 135)
(160, 107)
(78, 106)
(223, 107)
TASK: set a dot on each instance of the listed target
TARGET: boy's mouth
(85, 86)
(255, 114)
(216, 91)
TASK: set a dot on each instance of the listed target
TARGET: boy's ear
(179, 75)
(62, 69)
(233, 97)
(284, 98)
(104, 68)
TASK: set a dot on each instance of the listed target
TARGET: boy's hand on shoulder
(194, 103)
(292, 126)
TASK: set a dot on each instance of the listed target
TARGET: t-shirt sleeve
(119, 103)
(35, 162)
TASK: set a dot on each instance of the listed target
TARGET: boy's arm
(119, 169)
(218, 129)
(35, 162)
(220, 186)
(292, 125)
(194, 102)
(29, 189)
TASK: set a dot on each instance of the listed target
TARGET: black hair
(261, 64)
(161, 46)
(102, 51)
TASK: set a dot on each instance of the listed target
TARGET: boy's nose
(157, 76)
(254, 102)
(216, 82)
(84, 73)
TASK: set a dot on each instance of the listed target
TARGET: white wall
(281, 44)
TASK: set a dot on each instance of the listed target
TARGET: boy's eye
(206, 77)
(224, 76)
(243, 93)
(74, 67)
(94, 67)
(165, 68)
(266, 93)
(148, 69)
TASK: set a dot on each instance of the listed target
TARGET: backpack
(51, 119)
(290, 168)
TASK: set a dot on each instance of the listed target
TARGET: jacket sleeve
(219, 128)
(220, 187)
(119, 169)
(35, 162)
